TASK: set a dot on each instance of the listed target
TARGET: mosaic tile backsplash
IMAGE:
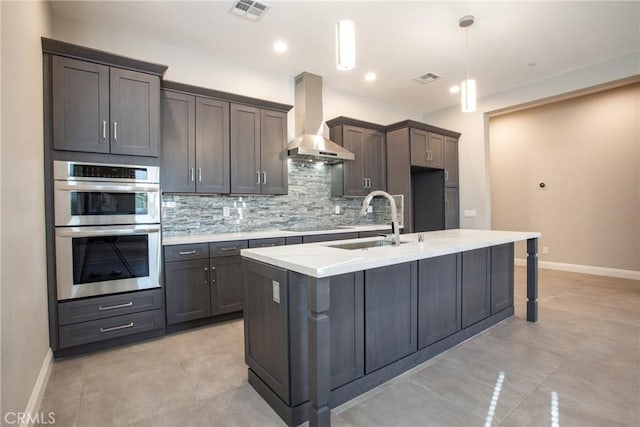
(309, 203)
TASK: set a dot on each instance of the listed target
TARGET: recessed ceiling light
(370, 76)
(280, 46)
(454, 89)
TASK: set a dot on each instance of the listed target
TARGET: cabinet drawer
(264, 243)
(185, 252)
(109, 306)
(227, 248)
(113, 327)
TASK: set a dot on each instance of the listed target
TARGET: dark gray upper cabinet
(135, 113)
(80, 111)
(450, 161)
(187, 289)
(451, 208)
(439, 298)
(178, 142)
(100, 109)
(368, 171)
(427, 149)
(258, 151)
(390, 311)
(212, 146)
(476, 289)
(195, 144)
(501, 277)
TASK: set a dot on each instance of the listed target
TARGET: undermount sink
(363, 245)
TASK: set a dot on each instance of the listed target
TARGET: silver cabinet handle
(364, 182)
(264, 177)
(199, 174)
(112, 307)
(446, 175)
(115, 130)
(192, 174)
(104, 129)
(213, 277)
(232, 248)
(369, 182)
(205, 281)
(258, 177)
(446, 206)
(115, 328)
(187, 252)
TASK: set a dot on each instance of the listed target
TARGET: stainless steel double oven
(107, 228)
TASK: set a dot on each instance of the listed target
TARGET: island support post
(532, 280)
(318, 304)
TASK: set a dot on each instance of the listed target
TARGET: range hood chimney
(309, 143)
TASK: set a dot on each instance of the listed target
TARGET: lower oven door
(106, 260)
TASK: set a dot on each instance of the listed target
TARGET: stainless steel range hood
(309, 143)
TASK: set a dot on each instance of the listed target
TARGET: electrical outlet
(276, 291)
(225, 212)
(545, 250)
(369, 209)
(168, 204)
(336, 209)
(470, 213)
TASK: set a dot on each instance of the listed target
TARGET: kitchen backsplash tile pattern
(309, 203)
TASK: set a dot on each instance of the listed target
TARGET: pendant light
(345, 45)
(468, 86)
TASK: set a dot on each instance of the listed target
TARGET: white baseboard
(587, 269)
(33, 406)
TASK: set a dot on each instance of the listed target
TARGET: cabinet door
(501, 277)
(273, 152)
(375, 165)
(80, 105)
(135, 113)
(436, 151)
(439, 298)
(178, 142)
(226, 284)
(390, 303)
(212, 146)
(266, 325)
(450, 162)
(476, 290)
(188, 292)
(245, 149)
(451, 208)
(353, 140)
(419, 148)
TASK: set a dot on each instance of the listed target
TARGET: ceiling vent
(427, 78)
(249, 9)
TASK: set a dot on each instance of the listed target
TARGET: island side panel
(319, 304)
(532, 280)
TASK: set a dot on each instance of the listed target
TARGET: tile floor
(585, 351)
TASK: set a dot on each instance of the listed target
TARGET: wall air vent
(249, 9)
(427, 78)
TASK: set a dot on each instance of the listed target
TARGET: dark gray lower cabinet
(476, 289)
(226, 284)
(187, 290)
(501, 277)
(390, 308)
(439, 290)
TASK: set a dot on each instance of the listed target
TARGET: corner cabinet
(102, 109)
(368, 171)
(258, 150)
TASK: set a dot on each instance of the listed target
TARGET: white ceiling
(398, 40)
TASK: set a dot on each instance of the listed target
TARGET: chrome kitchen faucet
(395, 228)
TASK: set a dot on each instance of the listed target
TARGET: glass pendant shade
(345, 45)
(468, 94)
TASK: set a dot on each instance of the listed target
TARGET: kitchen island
(326, 322)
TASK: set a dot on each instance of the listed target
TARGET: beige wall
(587, 152)
(24, 337)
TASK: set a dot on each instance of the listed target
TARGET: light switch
(276, 291)
(225, 211)
(336, 209)
(471, 213)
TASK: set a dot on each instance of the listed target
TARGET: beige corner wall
(24, 338)
(587, 152)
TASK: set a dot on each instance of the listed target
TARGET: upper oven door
(103, 203)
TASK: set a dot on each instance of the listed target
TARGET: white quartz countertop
(248, 235)
(320, 260)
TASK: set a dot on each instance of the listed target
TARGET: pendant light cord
(466, 32)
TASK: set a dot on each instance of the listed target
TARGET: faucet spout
(395, 229)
